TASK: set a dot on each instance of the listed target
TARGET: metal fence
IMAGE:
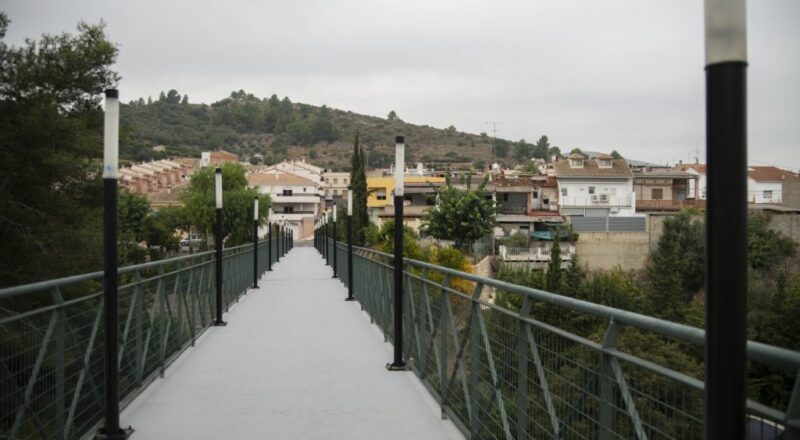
(609, 224)
(501, 373)
(51, 337)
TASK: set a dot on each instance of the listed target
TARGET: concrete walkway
(296, 361)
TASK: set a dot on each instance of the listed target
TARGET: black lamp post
(111, 429)
(399, 157)
(218, 243)
(726, 217)
(350, 244)
(335, 258)
(255, 242)
(269, 240)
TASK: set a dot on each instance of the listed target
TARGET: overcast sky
(599, 75)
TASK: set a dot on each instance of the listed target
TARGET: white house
(765, 184)
(299, 168)
(598, 187)
(294, 199)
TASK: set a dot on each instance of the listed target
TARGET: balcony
(669, 205)
(596, 200)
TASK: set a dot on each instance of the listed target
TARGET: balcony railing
(501, 372)
(595, 200)
(536, 253)
(668, 205)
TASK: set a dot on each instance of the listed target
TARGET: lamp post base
(122, 434)
(397, 366)
(220, 324)
(349, 299)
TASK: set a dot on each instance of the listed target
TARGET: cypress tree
(358, 181)
(554, 266)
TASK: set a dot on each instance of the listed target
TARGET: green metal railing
(51, 337)
(501, 373)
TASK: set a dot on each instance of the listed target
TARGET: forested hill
(279, 128)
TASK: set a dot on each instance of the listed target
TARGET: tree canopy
(50, 149)
(461, 215)
(237, 203)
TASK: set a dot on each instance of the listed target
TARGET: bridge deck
(296, 361)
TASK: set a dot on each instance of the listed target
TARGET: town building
(335, 184)
(294, 198)
(765, 184)
(216, 158)
(666, 190)
(697, 187)
(155, 177)
(598, 187)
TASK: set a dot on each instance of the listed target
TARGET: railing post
(218, 251)
(523, 359)
(398, 363)
(606, 416)
(61, 333)
(111, 429)
(726, 219)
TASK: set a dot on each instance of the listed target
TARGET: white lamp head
(111, 136)
(350, 201)
(255, 208)
(334, 212)
(399, 164)
(218, 187)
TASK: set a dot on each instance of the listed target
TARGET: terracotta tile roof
(278, 179)
(771, 174)
(575, 156)
(699, 167)
(619, 168)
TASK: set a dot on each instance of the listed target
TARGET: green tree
(358, 191)
(392, 116)
(462, 216)
(616, 155)
(542, 148)
(766, 247)
(50, 149)
(185, 99)
(132, 209)
(577, 150)
(237, 203)
(554, 272)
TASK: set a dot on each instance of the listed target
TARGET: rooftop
(278, 178)
(771, 174)
(619, 168)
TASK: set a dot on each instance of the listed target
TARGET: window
(768, 194)
(335, 180)
(344, 181)
(576, 163)
(505, 197)
(288, 209)
(336, 192)
(563, 192)
(658, 194)
(304, 189)
(591, 190)
(380, 195)
(536, 194)
(604, 163)
(287, 192)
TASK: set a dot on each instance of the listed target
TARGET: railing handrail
(764, 353)
(39, 286)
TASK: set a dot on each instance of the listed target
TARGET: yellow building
(381, 189)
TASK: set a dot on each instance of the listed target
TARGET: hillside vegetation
(278, 129)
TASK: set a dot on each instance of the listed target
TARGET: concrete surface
(296, 361)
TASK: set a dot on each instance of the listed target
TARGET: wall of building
(608, 250)
(619, 192)
(791, 194)
(644, 190)
(755, 191)
(385, 185)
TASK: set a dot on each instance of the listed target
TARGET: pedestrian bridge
(297, 361)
